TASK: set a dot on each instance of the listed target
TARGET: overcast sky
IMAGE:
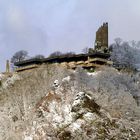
(44, 26)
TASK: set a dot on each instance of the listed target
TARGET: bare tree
(40, 56)
(68, 53)
(124, 55)
(91, 50)
(118, 41)
(85, 50)
(56, 53)
(19, 56)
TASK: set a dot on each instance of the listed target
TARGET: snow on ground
(28, 138)
(90, 116)
(75, 126)
(1, 76)
(66, 79)
(56, 84)
(93, 73)
(10, 81)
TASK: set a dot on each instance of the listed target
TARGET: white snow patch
(80, 95)
(79, 98)
(89, 116)
(28, 138)
(76, 102)
(34, 123)
(132, 130)
(67, 113)
(56, 83)
(68, 118)
(52, 106)
(11, 81)
(1, 76)
(88, 96)
(67, 108)
(58, 119)
(66, 79)
(93, 73)
(75, 126)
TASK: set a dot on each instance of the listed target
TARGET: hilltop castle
(95, 58)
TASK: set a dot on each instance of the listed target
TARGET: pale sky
(45, 26)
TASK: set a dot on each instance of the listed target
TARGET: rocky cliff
(53, 103)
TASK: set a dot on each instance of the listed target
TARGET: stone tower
(101, 42)
(7, 66)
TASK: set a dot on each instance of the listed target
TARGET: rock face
(53, 103)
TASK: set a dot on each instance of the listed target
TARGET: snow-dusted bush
(125, 55)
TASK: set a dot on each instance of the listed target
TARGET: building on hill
(101, 41)
(95, 58)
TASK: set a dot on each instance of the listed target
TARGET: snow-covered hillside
(53, 103)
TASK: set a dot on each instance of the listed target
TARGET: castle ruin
(101, 41)
(95, 58)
